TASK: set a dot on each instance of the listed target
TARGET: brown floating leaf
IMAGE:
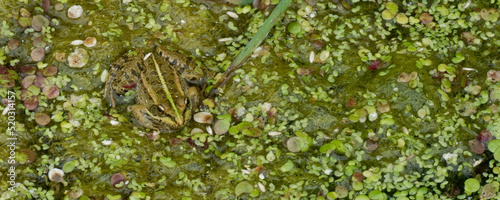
(351, 102)
(27, 81)
(37, 54)
(370, 145)
(27, 70)
(42, 119)
(49, 71)
(31, 102)
(116, 179)
(426, 18)
(45, 5)
(484, 136)
(39, 42)
(30, 155)
(41, 82)
(13, 44)
(476, 146)
(51, 91)
(38, 22)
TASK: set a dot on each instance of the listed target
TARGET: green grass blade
(253, 44)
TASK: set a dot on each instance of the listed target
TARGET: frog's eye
(161, 108)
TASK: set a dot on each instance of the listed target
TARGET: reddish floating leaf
(27, 81)
(45, 5)
(49, 71)
(426, 18)
(117, 179)
(484, 136)
(4, 70)
(41, 82)
(51, 91)
(476, 146)
(374, 65)
(31, 102)
(27, 70)
(351, 102)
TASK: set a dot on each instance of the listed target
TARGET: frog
(167, 86)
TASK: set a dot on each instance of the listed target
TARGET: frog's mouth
(178, 116)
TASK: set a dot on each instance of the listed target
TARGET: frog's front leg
(147, 119)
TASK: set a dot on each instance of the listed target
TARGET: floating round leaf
(221, 126)
(75, 11)
(78, 58)
(69, 166)
(370, 145)
(27, 156)
(203, 117)
(26, 70)
(471, 185)
(51, 91)
(42, 119)
(45, 5)
(31, 102)
(49, 71)
(484, 136)
(491, 14)
(37, 54)
(476, 146)
(56, 175)
(34, 90)
(493, 76)
(401, 18)
(13, 44)
(39, 42)
(27, 81)
(341, 191)
(426, 18)
(116, 179)
(41, 82)
(295, 144)
(38, 22)
(489, 190)
(59, 6)
(90, 42)
(243, 187)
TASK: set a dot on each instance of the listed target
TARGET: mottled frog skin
(152, 109)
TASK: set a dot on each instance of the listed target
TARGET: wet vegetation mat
(342, 99)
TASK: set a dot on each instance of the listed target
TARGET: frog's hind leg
(147, 119)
